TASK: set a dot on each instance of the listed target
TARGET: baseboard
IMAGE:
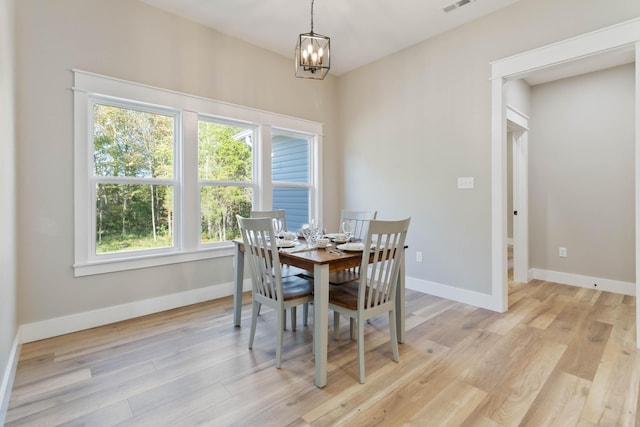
(465, 296)
(8, 377)
(90, 319)
(615, 286)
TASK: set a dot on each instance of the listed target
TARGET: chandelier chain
(312, 16)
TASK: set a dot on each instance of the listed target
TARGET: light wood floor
(561, 356)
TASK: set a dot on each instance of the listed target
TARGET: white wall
(133, 41)
(519, 95)
(582, 175)
(8, 327)
(424, 115)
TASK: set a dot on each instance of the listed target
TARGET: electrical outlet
(418, 256)
(466, 183)
(562, 252)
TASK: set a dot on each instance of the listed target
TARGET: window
(133, 176)
(160, 176)
(292, 189)
(225, 173)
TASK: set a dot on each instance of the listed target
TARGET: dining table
(321, 262)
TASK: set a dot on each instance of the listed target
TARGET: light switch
(465, 182)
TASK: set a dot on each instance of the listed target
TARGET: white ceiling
(361, 31)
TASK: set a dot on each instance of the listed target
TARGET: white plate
(353, 246)
(286, 243)
(335, 236)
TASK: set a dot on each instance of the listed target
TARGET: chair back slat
(378, 285)
(360, 221)
(279, 213)
(263, 258)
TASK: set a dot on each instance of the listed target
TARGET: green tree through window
(132, 156)
(225, 172)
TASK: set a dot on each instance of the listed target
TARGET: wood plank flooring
(561, 356)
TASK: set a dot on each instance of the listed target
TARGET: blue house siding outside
(290, 163)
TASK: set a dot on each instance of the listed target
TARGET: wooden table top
(308, 259)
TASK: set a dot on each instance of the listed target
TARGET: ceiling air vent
(456, 5)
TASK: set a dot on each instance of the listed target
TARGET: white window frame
(89, 86)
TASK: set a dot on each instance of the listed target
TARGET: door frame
(625, 34)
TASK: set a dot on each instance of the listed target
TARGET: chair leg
(336, 325)
(305, 314)
(360, 328)
(352, 328)
(294, 317)
(254, 319)
(284, 322)
(393, 335)
(282, 315)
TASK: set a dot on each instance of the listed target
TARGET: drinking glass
(277, 227)
(306, 233)
(347, 229)
(314, 227)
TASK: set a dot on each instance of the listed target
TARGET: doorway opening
(620, 41)
(518, 139)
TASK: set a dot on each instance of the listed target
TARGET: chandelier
(313, 56)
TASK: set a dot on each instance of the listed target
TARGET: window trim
(189, 108)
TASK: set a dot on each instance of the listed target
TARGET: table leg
(321, 321)
(400, 301)
(238, 279)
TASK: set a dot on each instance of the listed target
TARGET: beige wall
(8, 326)
(582, 175)
(406, 126)
(129, 40)
(422, 116)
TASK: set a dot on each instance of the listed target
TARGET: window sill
(110, 266)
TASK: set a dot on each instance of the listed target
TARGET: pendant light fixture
(313, 54)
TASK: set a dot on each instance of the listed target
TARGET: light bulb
(320, 52)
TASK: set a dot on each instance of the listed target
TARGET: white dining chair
(278, 213)
(360, 221)
(374, 292)
(287, 270)
(268, 285)
(360, 225)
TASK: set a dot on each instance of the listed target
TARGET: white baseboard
(465, 296)
(90, 319)
(615, 286)
(8, 377)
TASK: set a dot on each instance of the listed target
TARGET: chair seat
(343, 276)
(289, 270)
(346, 295)
(294, 287)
